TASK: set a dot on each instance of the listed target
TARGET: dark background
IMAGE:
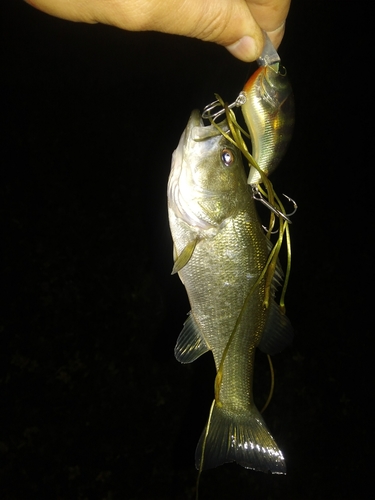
(93, 404)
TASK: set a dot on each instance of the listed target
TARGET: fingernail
(245, 49)
(276, 35)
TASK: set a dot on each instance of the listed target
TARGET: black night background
(93, 404)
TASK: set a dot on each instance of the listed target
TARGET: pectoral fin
(278, 332)
(184, 256)
(190, 343)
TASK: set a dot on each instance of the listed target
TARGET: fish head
(207, 180)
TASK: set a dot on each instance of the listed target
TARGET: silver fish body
(220, 252)
(269, 116)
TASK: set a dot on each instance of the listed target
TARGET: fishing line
(203, 449)
(288, 268)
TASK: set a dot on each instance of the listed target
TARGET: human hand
(235, 24)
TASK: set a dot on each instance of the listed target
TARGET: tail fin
(241, 438)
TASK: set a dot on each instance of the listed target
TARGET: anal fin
(190, 343)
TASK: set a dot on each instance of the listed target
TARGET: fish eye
(227, 157)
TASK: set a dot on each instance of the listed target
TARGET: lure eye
(227, 157)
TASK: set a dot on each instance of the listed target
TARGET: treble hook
(267, 230)
(294, 204)
(257, 195)
(241, 99)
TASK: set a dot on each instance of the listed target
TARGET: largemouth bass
(220, 255)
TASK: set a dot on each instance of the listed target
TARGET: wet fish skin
(209, 203)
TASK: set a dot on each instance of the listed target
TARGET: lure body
(269, 116)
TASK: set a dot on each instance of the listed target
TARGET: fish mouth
(187, 139)
(195, 119)
(197, 131)
(195, 123)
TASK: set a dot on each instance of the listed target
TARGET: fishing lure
(267, 105)
(268, 110)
